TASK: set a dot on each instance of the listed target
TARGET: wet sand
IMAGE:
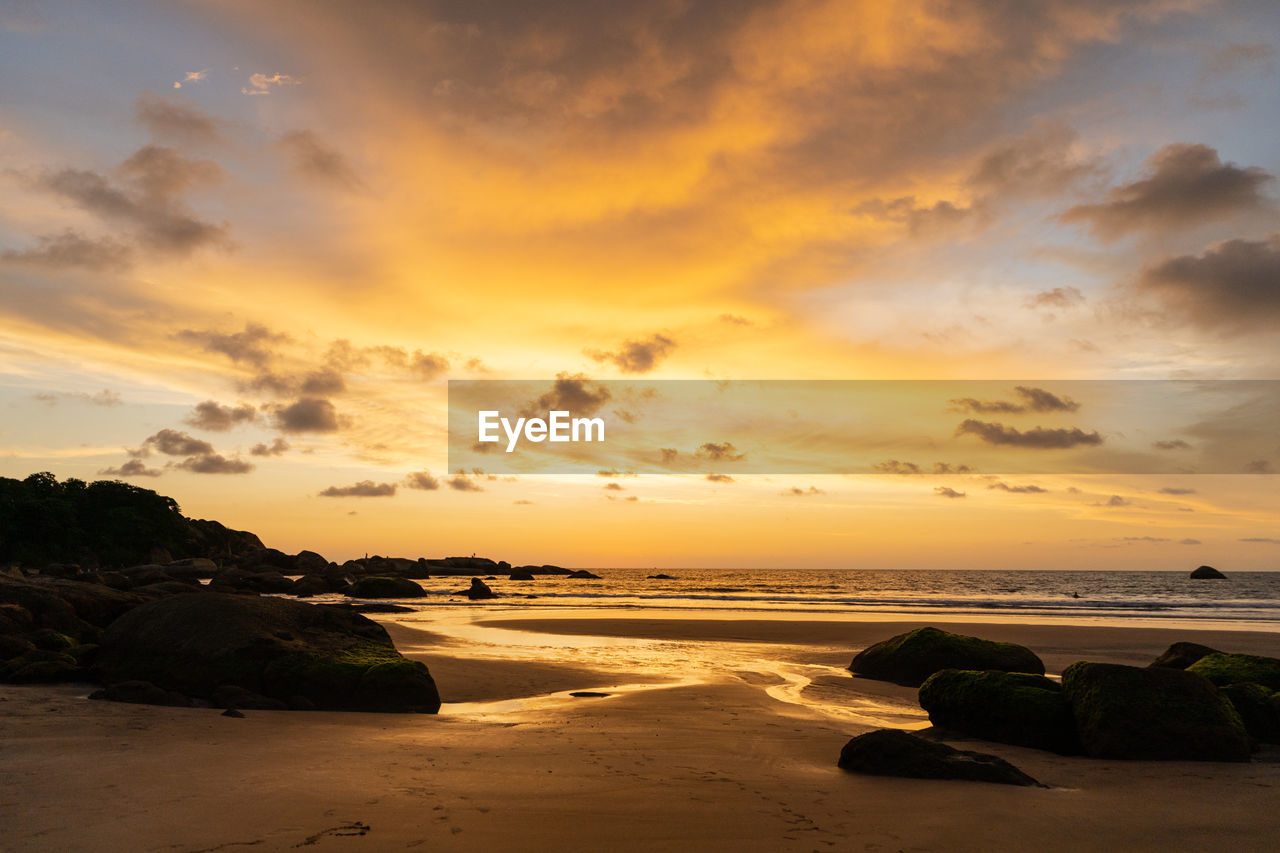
(719, 735)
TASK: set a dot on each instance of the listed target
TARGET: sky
(245, 246)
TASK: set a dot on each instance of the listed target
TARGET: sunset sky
(244, 246)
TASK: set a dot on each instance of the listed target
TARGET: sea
(1245, 600)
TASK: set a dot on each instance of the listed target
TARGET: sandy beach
(685, 755)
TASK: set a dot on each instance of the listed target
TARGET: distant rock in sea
(479, 591)
(384, 588)
(583, 574)
(912, 657)
(661, 577)
(1207, 573)
(890, 752)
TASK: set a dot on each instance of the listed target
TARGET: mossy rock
(383, 587)
(891, 752)
(1259, 710)
(41, 666)
(1149, 713)
(1006, 707)
(1182, 655)
(1223, 669)
(912, 657)
(275, 647)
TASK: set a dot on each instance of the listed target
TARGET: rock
(141, 693)
(375, 607)
(376, 587)
(1152, 713)
(583, 574)
(15, 619)
(661, 578)
(146, 574)
(1207, 573)
(588, 694)
(115, 580)
(521, 575)
(912, 657)
(70, 607)
(232, 712)
(230, 696)
(50, 640)
(309, 562)
(12, 645)
(1259, 710)
(890, 752)
(1182, 655)
(309, 585)
(171, 588)
(1223, 669)
(479, 590)
(60, 570)
(192, 567)
(275, 647)
(269, 558)
(250, 580)
(40, 666)
(1007, 707)
(212, 539)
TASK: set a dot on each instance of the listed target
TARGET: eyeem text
(558, 426)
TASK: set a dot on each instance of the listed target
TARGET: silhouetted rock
(269, 558)
(583, 574)
(521, 575)
(146, 574)
(479, 590)
(1207, 573)
(661, 577)
(141, 693)
(40, 666)
(890, 752)
(309, 585)
(71, 607)
(1182, 655)
(192, 567)
(250, 580)
(1223, 669)
(1259, 710)
(912, 657)
(309, 562)
(1008, 707)
(232, 712)
(1153, 713)
(232, 696)
(275, 647)
(376, 587)
(588, 694)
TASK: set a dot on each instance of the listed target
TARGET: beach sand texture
(718, 734)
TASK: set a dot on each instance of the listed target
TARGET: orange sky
(309, 218)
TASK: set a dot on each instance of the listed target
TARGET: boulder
(1259, 710)
(275, 647)
(1207, 573)
(50, 640)
(141, 693)
(40, 666)
(890, 752)
(146, 574)
(192, 567)
(1223, 669)
(1152, 713)
(521, 575)
(309, 585)
(70, 607)
(1182, 655)
(376, 587)
(250, 580)
(12, 645)
(309, 562)
(231, 696)
(660, 577)
(583, 574)
(479, 590)
(1007, 707)
(15, 619)
(912, 657)
(269, 558)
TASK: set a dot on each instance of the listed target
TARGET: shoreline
(719, 734)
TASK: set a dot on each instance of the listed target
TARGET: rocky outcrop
(912, 657)
(479, 591)
(300, 654)
(583, 574)
(1152, 713)
(376, 587)
(1259, 710)
(1223, 669)
(258, 579)
(521, 575)
(1182, 655)
(890, 752)
(1006, 707)
(1207, 573)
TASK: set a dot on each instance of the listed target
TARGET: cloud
(214, 463)
(261, 84)
(275, 448)
(71, 249)
(719, 478)
(251, 346)
(1263, 540)
(1233, 284)
(147, 199)
(637, 356)
(422, 481)
(462, 483)
(1022, 490)
(171, 442)
(215, 417)
(614, 473)
(132, 468)
(734, 320)
(1059, 297)
(1042, 438)
(796, 491)
(191, 77)
(614, 487)
(893, 466)
(1034, 400)
(1185, 185)
(312, 158)
(719, 452)
(948, 492)
(175, 119)
(1045, 160)
(308, 414)
(570, 393)
(1171, 490)
(1114, 500)
(1143, 539)
(1173, 444)
(362, 489)
(1258, 466)
(1190, 542)
(105, 397)
(669, 455)
(427, 365)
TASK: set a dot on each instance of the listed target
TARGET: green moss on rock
(1223, 669)
(1007, 707)
(912, 657)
